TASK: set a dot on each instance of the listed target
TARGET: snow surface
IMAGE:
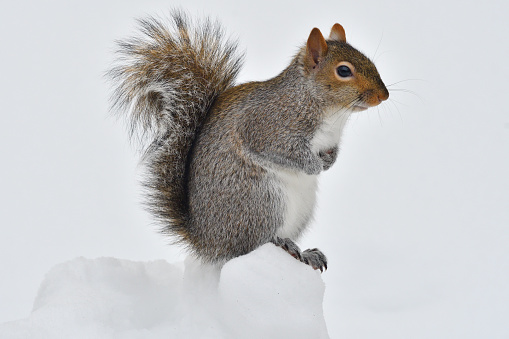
(265, 294)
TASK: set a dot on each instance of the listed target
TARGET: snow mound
(265, 294)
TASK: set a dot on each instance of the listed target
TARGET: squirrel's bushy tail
(166, 80)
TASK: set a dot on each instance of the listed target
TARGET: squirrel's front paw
(328, 157)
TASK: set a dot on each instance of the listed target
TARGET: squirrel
(232, 167)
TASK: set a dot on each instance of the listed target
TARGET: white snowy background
(414, 216)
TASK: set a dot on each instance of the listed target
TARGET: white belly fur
(300, 196)
(300, 188)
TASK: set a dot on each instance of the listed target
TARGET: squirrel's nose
(384, 95)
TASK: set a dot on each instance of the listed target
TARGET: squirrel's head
(348, 79)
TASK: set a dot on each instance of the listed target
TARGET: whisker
(381, 55)
(406, 91)
(384, 109)
(379, 42)
(379, 117)
(395, 83)
(399, 102)
(403, 90)
(397, 108)
(346, 109)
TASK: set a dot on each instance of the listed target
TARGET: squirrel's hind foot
(315, 258)
(312, 257)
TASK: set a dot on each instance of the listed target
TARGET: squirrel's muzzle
(376, 96)
(383, 95)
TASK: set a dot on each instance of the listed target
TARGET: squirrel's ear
(337, 33)
(316, 47)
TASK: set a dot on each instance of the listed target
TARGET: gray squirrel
(232, 167)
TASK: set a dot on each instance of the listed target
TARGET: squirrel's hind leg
(312, 257)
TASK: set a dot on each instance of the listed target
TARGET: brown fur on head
(330, 61)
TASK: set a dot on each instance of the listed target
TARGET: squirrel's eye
(344, 71)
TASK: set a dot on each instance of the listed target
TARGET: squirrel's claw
(315, 258)
(312, 257)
